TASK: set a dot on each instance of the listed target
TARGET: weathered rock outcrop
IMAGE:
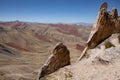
(103, 49)
(59, 58)
(102, 64)
(106, 24)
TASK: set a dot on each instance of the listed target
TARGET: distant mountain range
(77, 23)
(37, 37)
(84, 24)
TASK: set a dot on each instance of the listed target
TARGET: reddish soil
(16, 46)
(12, 24)
(66, 29)
(79, 47)
(43, 38)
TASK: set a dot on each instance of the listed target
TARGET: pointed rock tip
(59, 43)
(114, 13)
(103, 6)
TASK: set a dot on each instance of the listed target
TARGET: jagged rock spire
(103, 6)
(115, 13)
(106, 24)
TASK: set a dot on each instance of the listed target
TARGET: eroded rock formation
(104, 49)
(59, 58)
(107, 23)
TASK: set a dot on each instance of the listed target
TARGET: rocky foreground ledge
(102, 64)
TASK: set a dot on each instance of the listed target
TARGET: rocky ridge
(102, 52)
(107, 23)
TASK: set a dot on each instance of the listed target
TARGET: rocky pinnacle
(107, 23)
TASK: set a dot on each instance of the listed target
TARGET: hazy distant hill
(84, 24)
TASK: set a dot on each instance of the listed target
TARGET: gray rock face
(59, 58)
(106, 24)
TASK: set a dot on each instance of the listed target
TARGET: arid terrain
(100, 59)
(25, 46)
(37, 51)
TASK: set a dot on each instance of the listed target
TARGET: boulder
(59, 58)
